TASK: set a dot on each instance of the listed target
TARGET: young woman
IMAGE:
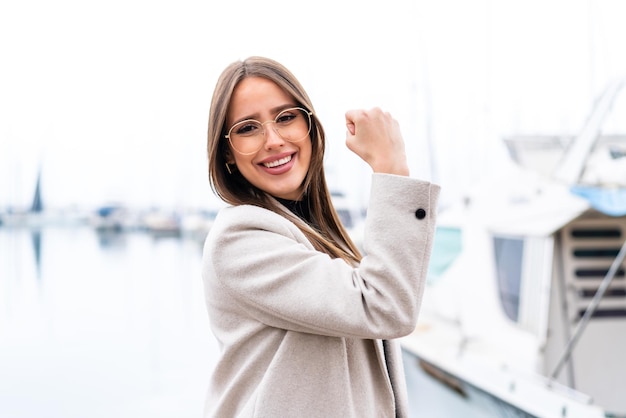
(304, 322)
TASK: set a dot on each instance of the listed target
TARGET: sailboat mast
(37, 205)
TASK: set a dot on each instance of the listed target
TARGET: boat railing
(593, 305)
(571, 166)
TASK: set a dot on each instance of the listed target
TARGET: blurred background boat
(525, 310)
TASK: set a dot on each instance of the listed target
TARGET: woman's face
(280, 166)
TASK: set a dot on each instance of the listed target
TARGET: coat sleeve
(264, 264)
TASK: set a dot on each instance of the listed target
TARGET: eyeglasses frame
(307, 112)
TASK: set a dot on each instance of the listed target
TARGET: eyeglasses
(248, 136)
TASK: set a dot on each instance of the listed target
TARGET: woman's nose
(272, 137)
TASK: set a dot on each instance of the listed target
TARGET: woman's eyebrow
(275, 110)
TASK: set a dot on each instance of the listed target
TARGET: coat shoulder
(249, 217)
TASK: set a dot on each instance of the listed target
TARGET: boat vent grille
(589, 247)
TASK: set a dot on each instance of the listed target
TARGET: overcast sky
(111, 98)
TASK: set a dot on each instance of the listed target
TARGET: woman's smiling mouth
(278, 162)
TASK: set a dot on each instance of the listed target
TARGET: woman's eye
(285, 117)
(247, 129)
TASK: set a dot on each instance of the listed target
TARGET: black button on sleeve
(420, 213)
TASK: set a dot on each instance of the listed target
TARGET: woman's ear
(228, 156)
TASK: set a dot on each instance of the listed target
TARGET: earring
(228, 168)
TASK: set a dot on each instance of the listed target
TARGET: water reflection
(35, 236)
(113, 324)
(101, 325)
(110, 238)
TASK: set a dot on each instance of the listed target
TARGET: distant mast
(37, 205)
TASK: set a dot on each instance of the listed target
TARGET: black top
(300, 208)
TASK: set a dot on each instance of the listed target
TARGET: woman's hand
(375, 136)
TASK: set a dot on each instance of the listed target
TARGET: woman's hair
(327, 235)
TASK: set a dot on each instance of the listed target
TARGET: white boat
(162, 223)
(525, 309)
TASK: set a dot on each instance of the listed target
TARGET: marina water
(114, 325)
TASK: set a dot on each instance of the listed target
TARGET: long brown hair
(328, 235)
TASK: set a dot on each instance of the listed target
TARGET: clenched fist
(375, 136)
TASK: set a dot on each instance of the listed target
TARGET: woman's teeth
(278, 162)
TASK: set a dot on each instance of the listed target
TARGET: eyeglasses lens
(248, 136)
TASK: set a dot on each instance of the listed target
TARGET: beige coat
(301, 334)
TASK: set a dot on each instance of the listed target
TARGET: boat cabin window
(508, 260)
(447, 246)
